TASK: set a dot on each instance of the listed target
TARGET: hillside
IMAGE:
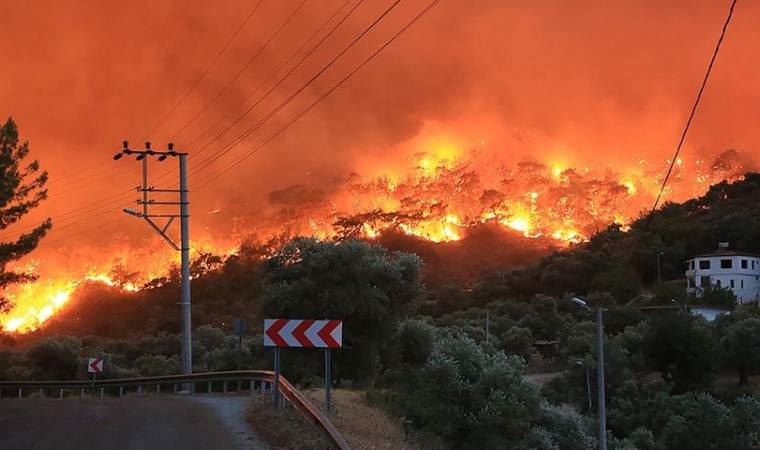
(728, 212)
(224, 290)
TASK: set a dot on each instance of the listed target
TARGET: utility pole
(184, 218)
(600, 378)
(588, 382)
(488, 328)
(601, 405)
(659, 270)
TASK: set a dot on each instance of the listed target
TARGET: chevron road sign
(95, 365)
(306, 333)
(303, 333)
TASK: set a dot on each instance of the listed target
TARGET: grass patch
(284, 428)
(363, 426)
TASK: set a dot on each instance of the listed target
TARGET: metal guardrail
(312, 413)
(265, 378)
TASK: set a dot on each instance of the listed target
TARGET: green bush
(55, 359)
(154, 365)
(518, 341)
(415, 342)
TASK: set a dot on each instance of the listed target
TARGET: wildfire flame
(443, 192)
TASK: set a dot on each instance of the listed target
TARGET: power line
(69, 215)
(696, 104)
(284, 103)
(181, 99)
(230, 82)
(171, 111)
(121, 196)
(277, 84)
(240, 72)
(235, 141)
(273, 73)
(124, 195)
(205, 72)
(282, 129)
(226, 148)
(97, 226)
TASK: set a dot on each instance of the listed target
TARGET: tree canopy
(362, 284)
(22, 188)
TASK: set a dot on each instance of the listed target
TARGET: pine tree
(22, 188)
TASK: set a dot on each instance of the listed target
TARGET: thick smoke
(595, 87)
(600, 83)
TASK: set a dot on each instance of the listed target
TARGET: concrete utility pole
(602, 407)
(184, 219)
(588, 382)
(659, 270)
(488, 328)
(600, 379)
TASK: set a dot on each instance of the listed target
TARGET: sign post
(241, 327)
(94, 366)
(276, 385)
(328, 378)
(326, 334)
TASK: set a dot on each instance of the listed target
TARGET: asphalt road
(161, 423)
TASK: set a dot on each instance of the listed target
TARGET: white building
(738, 271)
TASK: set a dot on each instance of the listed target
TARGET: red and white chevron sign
(303, 333)
(95, 365)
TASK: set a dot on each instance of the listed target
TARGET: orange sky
(588, 82)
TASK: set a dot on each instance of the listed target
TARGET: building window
(741, 283)
(704, 281)
(725, 263)
(692, 264)
(732, 284)
(745, 264)
(704, 265)
(690, 282)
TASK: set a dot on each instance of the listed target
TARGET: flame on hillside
(444, 191)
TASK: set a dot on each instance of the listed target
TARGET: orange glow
(554, 139)
(439, 196)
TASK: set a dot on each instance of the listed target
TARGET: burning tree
(22, 188)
